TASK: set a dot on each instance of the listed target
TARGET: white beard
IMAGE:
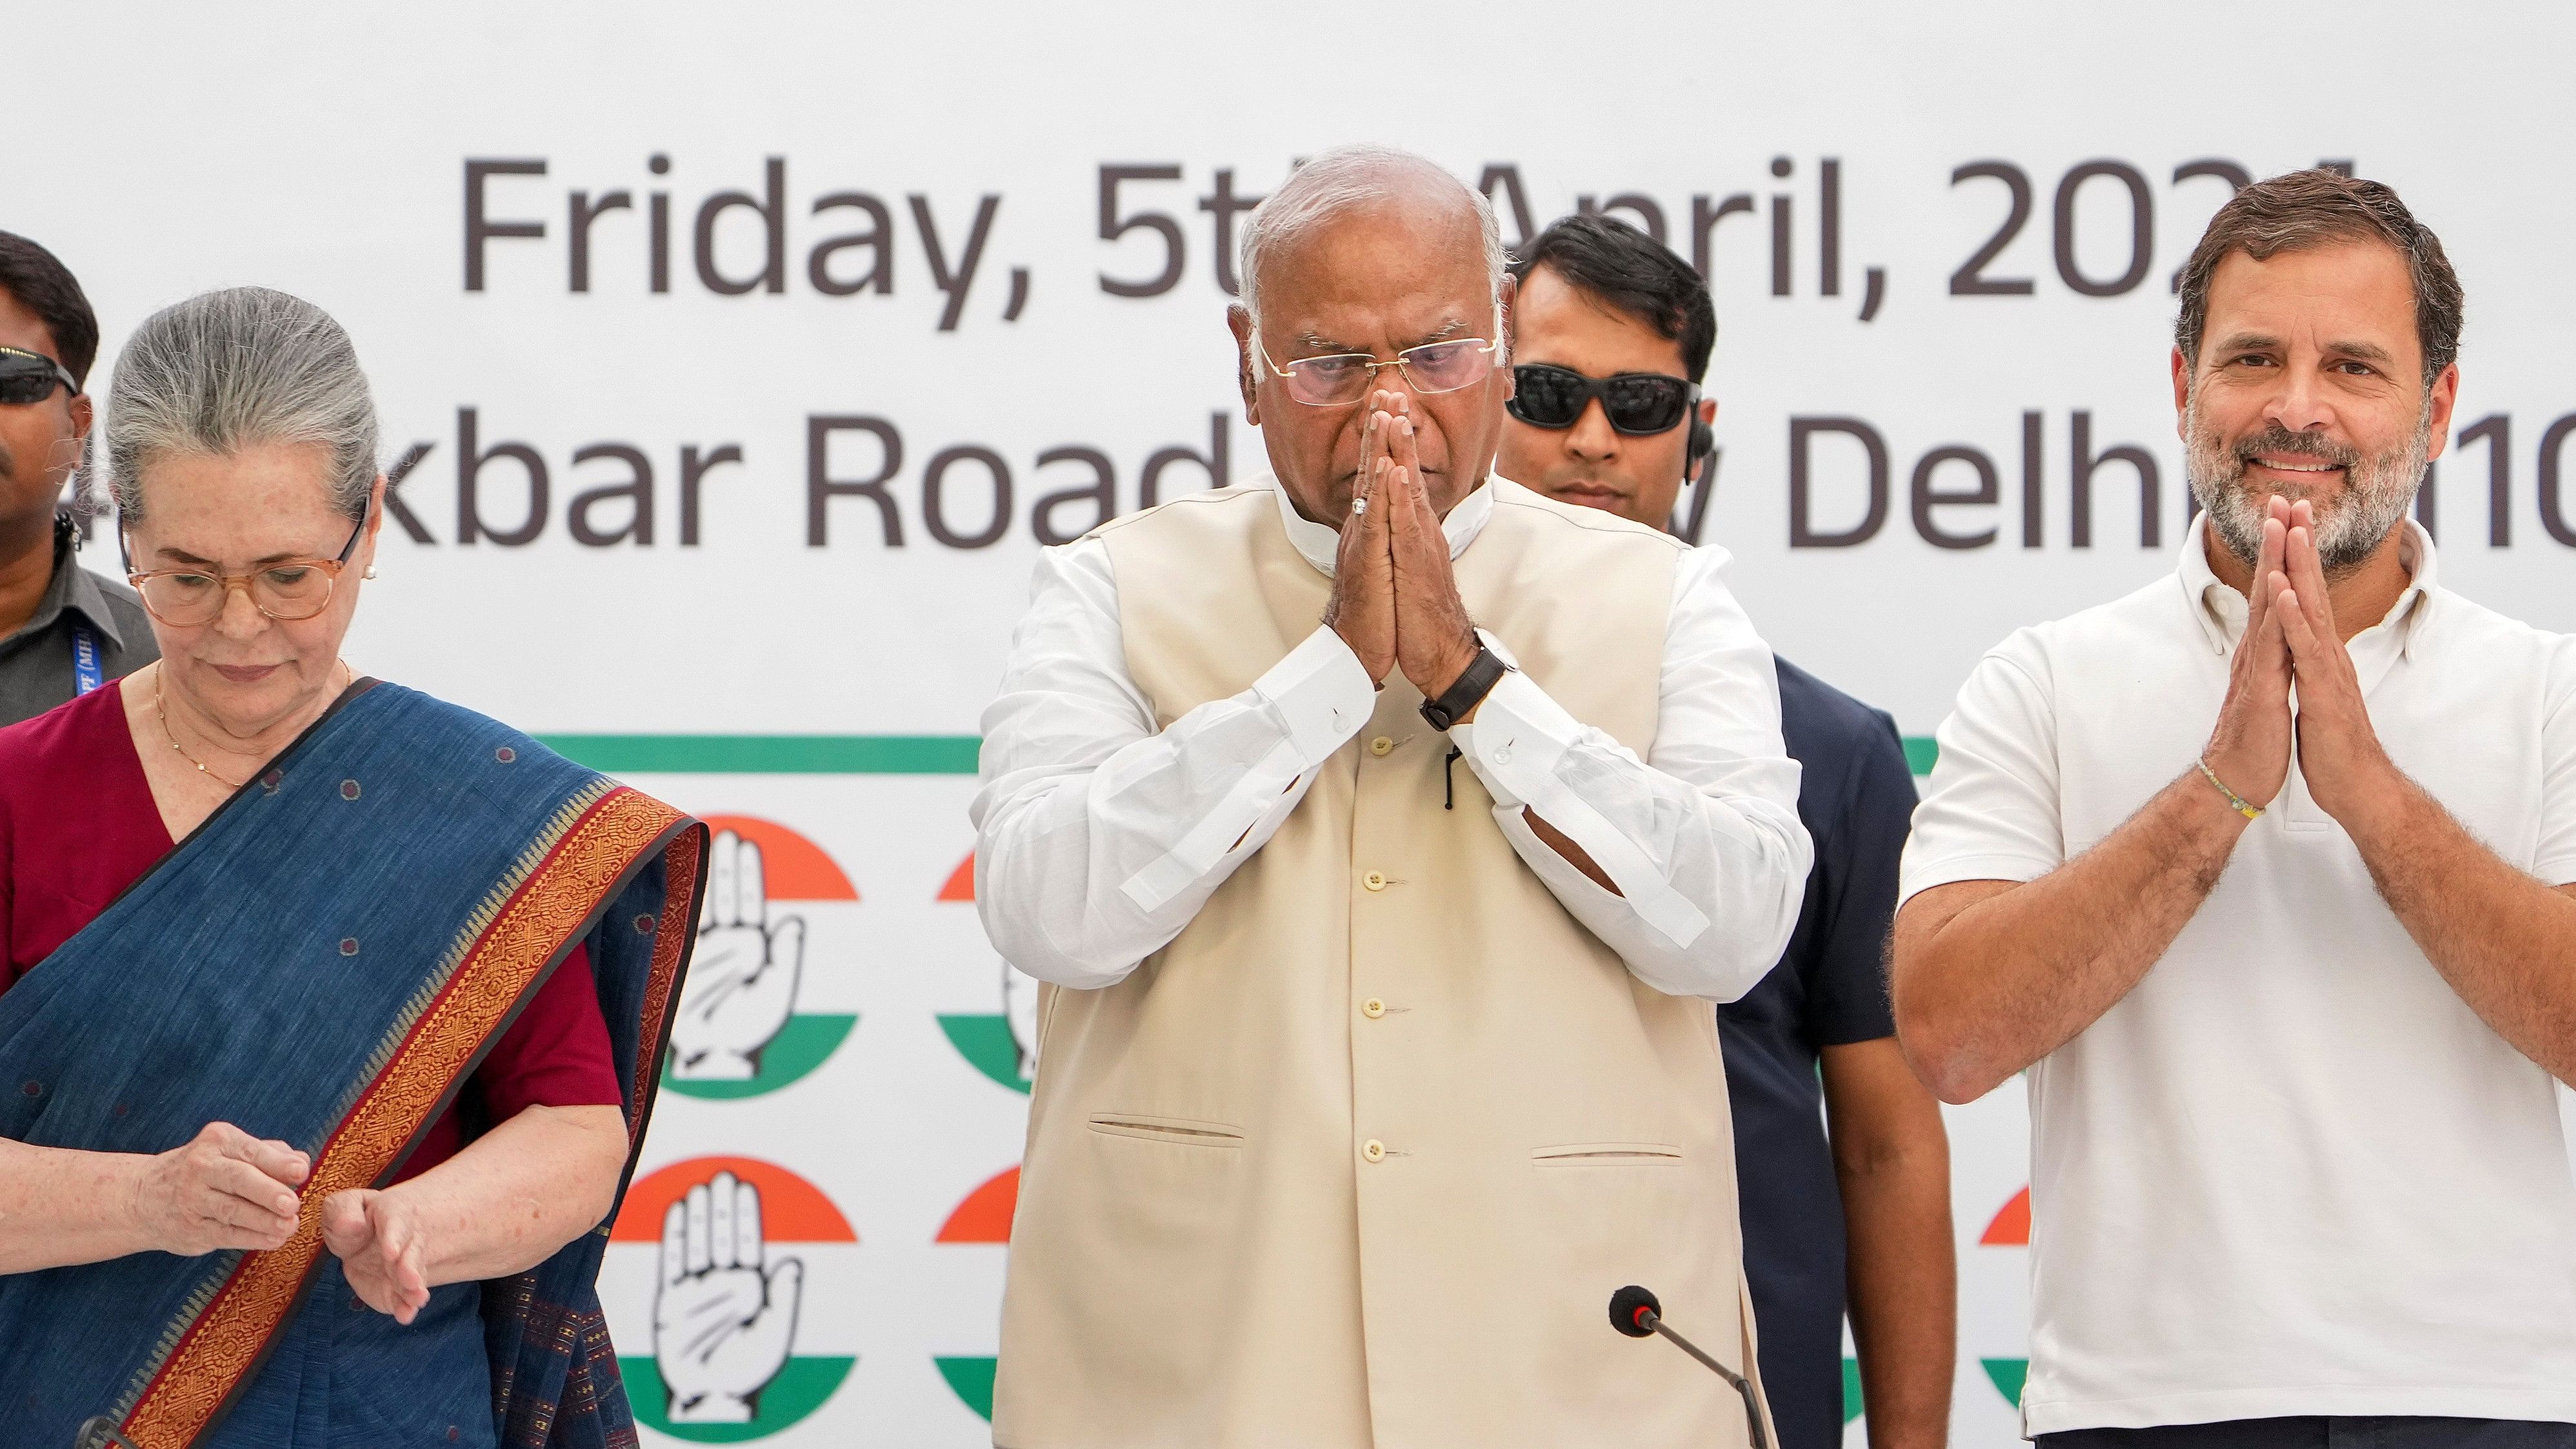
(2350, 524)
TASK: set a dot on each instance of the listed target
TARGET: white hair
(228, 370)
(1345, 178)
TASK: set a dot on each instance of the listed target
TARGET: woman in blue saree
(329, 1013)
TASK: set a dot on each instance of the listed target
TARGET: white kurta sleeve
(1097, 836)
(1702, 837)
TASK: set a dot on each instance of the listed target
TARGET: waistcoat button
(1374, 1150)
(1375, 880)
(1373, 1008)
(1381, 746)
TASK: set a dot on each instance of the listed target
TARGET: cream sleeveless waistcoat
(1359, 1157)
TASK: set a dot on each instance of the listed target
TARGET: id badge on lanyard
(88, 671)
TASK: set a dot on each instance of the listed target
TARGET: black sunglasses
(29, 377)
(1639, 404)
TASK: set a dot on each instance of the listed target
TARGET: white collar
(1320, 545)
(2221, 611)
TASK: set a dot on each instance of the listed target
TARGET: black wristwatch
(1475, 682)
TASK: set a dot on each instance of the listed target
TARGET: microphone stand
(1752, 1413)
(1634, 1312)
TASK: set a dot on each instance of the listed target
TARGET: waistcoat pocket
(1180, 1131)
(1613, 1154)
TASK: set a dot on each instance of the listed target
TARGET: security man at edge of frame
(1611, 335)
(1377, 1050)
(2264, 873)
(64, 631)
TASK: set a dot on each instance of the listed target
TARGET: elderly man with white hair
(1363, 1078)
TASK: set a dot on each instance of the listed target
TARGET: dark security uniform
(86, 631)
(1855, 796)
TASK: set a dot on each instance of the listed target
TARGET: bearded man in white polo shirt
(2263, 873)
(1376, 1051)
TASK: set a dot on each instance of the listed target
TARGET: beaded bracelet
(2243, 807)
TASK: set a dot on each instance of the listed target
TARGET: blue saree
(325, 961)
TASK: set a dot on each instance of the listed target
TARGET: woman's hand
(506, 1203)
(380, 1244)
(223, 1189)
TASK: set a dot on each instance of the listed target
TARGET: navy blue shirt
(1856, 797)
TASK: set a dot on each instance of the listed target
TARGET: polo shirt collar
(2221, 611)
(74, 590)
(1320, 546)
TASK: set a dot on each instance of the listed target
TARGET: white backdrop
(916, 255)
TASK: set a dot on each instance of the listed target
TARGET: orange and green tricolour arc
(801, 1252)
(983, 1216)
(792, 1209)
(983, 1038)
(2009, 1228)
(798, 875)
(798, 869)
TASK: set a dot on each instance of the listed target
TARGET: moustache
(1352, 475)
(2279, 440)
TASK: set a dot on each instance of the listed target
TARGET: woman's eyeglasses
(1345, 377)
(289, 589)
(27, 378)
(1638, 404)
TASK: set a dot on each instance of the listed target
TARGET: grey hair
(228, 370)
(1339, 180)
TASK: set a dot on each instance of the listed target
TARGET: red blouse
(77, 826)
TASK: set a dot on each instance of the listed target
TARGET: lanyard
(86, 673)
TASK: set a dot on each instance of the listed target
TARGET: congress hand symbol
(722, 1325)
(742, 981)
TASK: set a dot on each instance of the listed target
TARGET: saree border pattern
(521, 927)
(583, 1338)
(674, 933)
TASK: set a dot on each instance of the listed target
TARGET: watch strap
(1469, 690)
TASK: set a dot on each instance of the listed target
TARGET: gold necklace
(161, 707)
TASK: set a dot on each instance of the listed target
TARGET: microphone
(1636, 1312)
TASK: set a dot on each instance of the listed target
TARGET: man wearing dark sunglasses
(64, 631)
(1611, 338)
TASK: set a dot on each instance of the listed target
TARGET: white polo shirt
(2291, 1172)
